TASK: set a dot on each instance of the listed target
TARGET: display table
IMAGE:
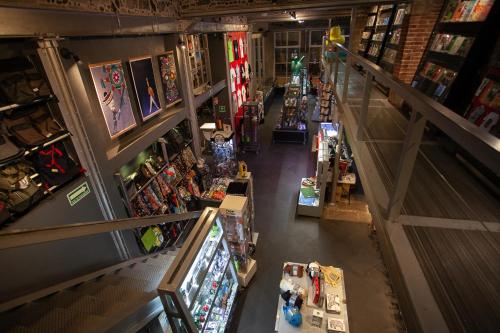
(283, 326)
(290, 135)
(308, 206)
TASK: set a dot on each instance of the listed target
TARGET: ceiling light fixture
(301, 21)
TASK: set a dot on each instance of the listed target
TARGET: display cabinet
(198, 61)
(199, 289)
(395, 38)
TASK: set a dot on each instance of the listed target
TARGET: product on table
(317, 318)
(335, 325)
(294, 270)
(294, 288)
(292, 315)
(333, 303)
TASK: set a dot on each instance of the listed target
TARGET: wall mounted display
(111, 89)
(168, 75)
(145, 86)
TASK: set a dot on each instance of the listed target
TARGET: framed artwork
(111, 89)
(145, 86)
(168, 75)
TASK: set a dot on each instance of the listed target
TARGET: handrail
(24, 237)
(480, 144)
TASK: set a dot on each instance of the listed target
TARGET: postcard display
(239, 74)
(199, 289)
(37, 156)
(457, 52)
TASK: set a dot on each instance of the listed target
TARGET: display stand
(292, 125)
(306, 310)
(199, 289)
(309, 203)
(250, 128)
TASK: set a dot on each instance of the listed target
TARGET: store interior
(250, 166)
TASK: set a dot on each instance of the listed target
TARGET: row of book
(467, 11)
(390, 56)
(395, 37)
(452, 44)
(374, 50)
(400, 15)
(438, 74)
(378, 36)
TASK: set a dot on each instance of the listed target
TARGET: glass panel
(198, 271)
(223, 303)
(170, 304)
(204, 302)
(180, 326)
(280, 56)
(294, 38)
(281, 69)
(317, 37)
(280, 38)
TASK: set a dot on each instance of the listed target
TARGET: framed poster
(111, 89)
(145, 86)
(168, 75)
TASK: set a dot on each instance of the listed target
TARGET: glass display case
(199, 289)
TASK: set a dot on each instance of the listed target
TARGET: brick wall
(423, 16)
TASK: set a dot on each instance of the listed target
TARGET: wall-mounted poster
(145, 86)
(111, 88)
(168, 75)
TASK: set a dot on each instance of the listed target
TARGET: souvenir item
(230, 53)
(19, 189)
(112, 92)
(145, 86)
(8, 150)
(55, 165)
(168, 75)
(25, 85)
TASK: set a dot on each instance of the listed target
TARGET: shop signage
(78, 193)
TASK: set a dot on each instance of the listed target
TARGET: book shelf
(395, 37)
(458, 50)
(367, 33)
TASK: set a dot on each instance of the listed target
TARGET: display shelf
(209, 93)
(37, 101)
(139, 190)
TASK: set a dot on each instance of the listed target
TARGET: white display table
(283, 326)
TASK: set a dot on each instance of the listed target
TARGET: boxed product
(335, 325)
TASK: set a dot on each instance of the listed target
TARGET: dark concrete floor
(283, 236)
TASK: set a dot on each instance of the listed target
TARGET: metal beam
(363, 116)
(409, 152)
(24, 237)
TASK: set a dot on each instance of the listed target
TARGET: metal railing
(480, 144)
(25, 237)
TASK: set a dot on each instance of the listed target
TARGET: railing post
(337, 60)
(407, 159)
(367, 90)
(347, 72)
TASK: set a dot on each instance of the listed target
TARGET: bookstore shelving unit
(395, 37)
(383, 23)
(366, 36)
(458, 51)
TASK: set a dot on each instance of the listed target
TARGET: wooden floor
(463, 271)
(440, 186)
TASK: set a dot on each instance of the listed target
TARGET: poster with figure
(111, 88)
(168, 75)
(145, 86)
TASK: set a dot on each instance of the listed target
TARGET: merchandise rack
(250, 128)
(450, 78)
(368, 31)
(124, 184)
(292, 125)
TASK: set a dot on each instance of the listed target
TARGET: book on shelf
(399, 16)
(484, 109)
(467, 11)
(480, 10)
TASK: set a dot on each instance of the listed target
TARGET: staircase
(119, 298)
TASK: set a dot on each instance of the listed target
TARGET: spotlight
(301, 21)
